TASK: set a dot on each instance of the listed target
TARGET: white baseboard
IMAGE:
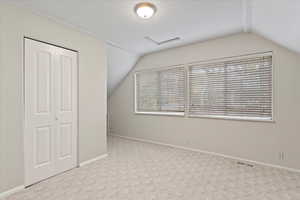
(93, 160)
(207, 152)
(11, 191)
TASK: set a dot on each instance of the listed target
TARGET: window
(239, 88)
(235, 88)
(160, 91)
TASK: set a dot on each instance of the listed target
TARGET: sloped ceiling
(120, 62)
(277, 20)
(192, 20)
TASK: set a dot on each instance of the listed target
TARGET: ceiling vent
(245, 164)
(163, 41)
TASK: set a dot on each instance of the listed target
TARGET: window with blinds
(240, 88)
(160, 91)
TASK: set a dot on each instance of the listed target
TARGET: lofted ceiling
(120, 62)
(192, 20)
(277, 20)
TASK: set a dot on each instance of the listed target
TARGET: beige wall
(258, 141)
(15, 24)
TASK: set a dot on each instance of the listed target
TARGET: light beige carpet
(142, 171)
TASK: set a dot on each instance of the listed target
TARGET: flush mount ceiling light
(145, 10)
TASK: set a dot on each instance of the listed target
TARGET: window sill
(179, 114)
(250, 119)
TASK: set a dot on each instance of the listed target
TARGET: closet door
(50, 135)
(66, 109)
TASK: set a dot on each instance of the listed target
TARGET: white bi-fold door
(50, 135)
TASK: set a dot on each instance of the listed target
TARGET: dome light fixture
(145, 10)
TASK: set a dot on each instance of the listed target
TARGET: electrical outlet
(281, 156)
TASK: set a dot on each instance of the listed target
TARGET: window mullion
(187, 91)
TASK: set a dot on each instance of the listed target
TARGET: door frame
(24, 119)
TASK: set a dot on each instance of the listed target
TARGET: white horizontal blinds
(239, 88)
(161, 91)
(147, 89)
(172, 90)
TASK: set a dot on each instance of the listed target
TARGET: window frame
(238, 118)
(187, 113)
(161, 113)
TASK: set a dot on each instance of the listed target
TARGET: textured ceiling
(277, 20)
(115, 20)
(192, 20)
(120, 62)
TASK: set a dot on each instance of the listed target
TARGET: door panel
(43, 82)
(42, 145)
(66, 109)
(66, 83)
(50, 136)
(65, 133)
(39, 112)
